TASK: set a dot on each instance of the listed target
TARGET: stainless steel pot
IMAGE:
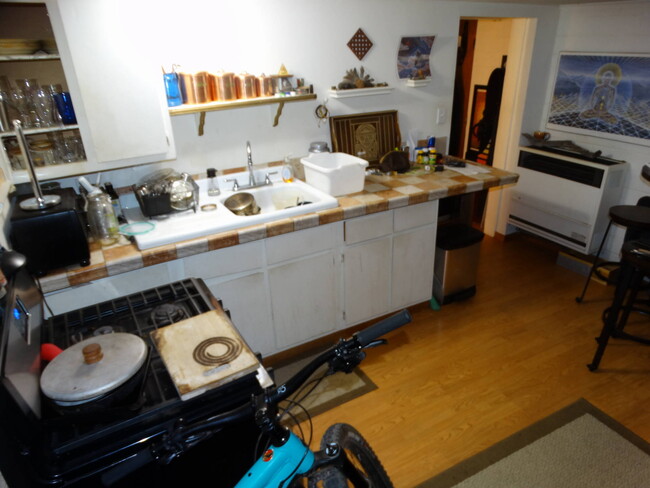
(97, 371)
(242, 203)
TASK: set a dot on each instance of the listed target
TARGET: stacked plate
(49, 46)
(18, 46)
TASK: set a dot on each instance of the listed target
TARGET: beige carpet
(577, 447)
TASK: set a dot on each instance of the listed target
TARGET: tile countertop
(380, 193)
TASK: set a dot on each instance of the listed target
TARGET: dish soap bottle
(287, 171)
(101, 216)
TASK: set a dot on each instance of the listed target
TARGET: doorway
(489, 42)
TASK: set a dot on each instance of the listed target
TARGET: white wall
(620, 27)
(310, 39)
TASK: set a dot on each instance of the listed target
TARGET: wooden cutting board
(184, 344)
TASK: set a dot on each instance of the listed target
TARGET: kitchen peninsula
(293, 280)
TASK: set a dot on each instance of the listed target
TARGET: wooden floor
(457, 380)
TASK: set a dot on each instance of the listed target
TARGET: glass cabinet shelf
(28, 57)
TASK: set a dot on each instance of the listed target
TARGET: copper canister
(201, 89)
(245, 84)
(265, 86)
(213, 94)
(187, 88)
(225, 83)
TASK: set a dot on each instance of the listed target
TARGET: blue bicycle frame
(278, 465)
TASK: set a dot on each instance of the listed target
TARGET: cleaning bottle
(287, 171)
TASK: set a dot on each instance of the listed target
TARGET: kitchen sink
(276, 201)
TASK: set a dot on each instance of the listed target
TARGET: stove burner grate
(166, 314)
(202, 356)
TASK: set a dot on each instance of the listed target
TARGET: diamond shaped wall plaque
(360, 44)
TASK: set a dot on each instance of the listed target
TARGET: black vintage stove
(101, 446)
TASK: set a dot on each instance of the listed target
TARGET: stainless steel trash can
(456, 262)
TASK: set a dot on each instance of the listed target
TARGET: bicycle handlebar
(375, 331)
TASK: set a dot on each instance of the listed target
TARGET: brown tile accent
(329, 216)
(220, 241)
(457, 190)
(463, 179)
(89, 273)
(416, 198)
(120, 252)
(388, 194)
(158, 255)
(279, 227)
(373, 207)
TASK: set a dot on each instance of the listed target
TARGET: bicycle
(288, 462)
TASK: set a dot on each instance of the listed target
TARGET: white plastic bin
(335, 173)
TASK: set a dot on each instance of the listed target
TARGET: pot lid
(93, 367)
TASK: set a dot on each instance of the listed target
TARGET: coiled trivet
(202, 356)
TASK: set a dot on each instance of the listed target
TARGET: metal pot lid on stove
(93, 367)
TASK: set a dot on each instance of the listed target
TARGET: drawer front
(303, 243)
(230, 260)
(368, 227)
(415, 215)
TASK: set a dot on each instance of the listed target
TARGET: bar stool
(635, 266)
(637, 220)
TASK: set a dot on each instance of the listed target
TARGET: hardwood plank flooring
(457, 380)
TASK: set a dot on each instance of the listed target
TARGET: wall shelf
(202, 108)
(416, 83)
(360, 92)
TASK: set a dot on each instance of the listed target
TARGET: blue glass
(173, 90)
(64, 106)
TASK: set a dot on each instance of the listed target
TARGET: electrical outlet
(441, 115)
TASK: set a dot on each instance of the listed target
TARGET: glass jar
(16, 158)
(42, 153)
(101, 219)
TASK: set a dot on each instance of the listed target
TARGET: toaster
(52, 237)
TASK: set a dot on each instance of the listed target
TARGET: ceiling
(547, 2)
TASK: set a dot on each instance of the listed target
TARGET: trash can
(456, 262)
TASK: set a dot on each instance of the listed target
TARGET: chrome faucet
(251, 174)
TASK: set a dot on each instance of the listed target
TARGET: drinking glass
(65, 108)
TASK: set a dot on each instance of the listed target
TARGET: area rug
(577, 447)
(330, 392)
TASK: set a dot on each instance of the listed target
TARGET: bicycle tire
(359, 452)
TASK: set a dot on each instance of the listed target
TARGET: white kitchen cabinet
(367, 280)
(367, 266)
(388, 261)
(305, 283)
(414, 246)
(116, 89)
(412, 265)
(247, 299)
(305, 298)
(236, 275)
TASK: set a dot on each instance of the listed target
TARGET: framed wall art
(413, 57)
(603, 95)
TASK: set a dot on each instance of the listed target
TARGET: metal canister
(201, 88)
(213, 93)
(187, 88)
(245, 84)
(265, 87)
(225, 83)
